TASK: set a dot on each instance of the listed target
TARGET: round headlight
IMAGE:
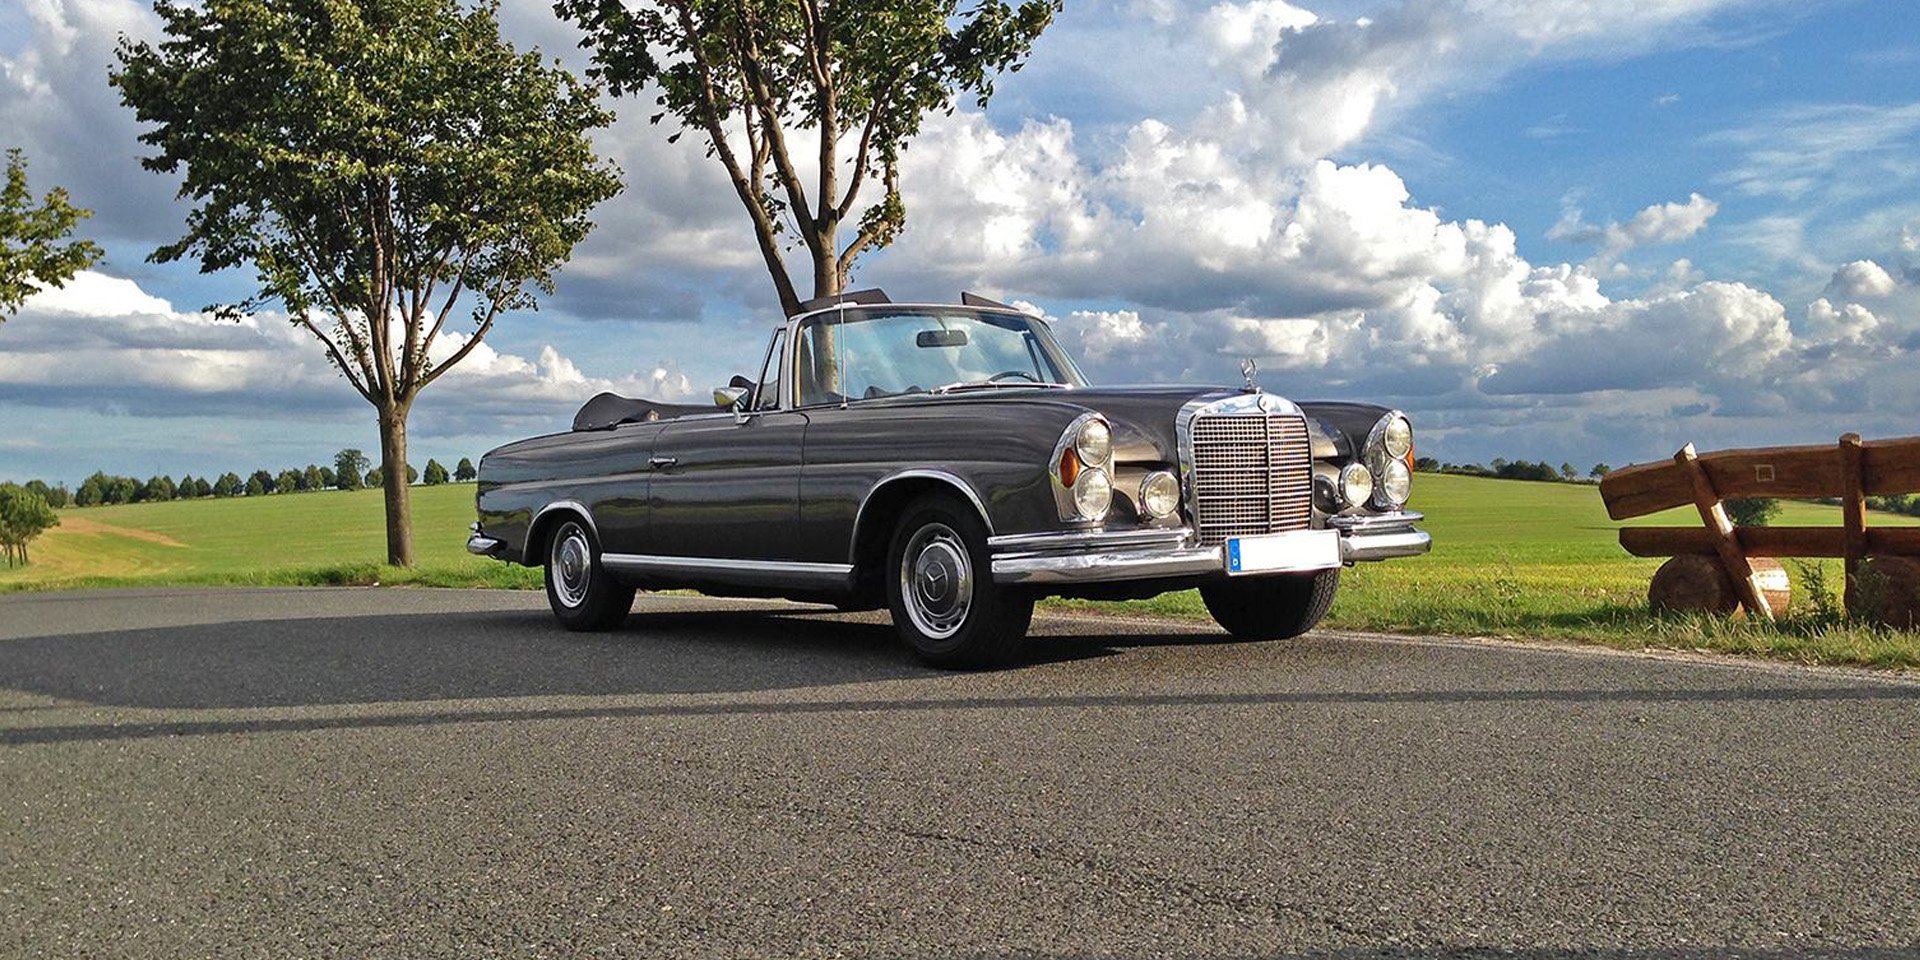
(1159, 495)
(1094, 444)
(1398, 438)
(1356, 484)
(1396, 483)
(1092, 493)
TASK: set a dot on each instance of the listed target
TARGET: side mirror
(730, 398)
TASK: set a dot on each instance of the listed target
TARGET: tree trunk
(393, 481)
(826, 264)
(826, 283)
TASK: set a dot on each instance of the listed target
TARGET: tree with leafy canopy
(381, 164)
(55, 497)
(751, 76)
(436, 474)
(157, 490)
(228, 485)
(34, 249)
(463, 471)
(24, 515)
(1599, 470)
(349, 466)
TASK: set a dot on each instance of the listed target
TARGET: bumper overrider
(1104, 556)
(481, 545)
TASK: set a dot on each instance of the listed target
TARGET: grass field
(1511, 558)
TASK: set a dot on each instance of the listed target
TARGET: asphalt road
(413, 773)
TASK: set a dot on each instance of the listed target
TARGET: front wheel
(1274, 607)
(583, 595)
(941, 592)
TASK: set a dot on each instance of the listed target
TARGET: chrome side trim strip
(770, 573)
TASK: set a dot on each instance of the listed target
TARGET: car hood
(1143, 417)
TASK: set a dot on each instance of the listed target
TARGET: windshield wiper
(995, 385)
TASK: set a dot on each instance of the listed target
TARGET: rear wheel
(1272, 608)
(583, 595)
(941, 592)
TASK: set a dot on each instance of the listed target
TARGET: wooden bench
(1882, 573)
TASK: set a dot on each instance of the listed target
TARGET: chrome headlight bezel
(1159, 489)
(1092, 493)
(1388, 455)
(1355, 485)
(1396, 435)
(1093, 443)
(1073, 494)
(1393, 485)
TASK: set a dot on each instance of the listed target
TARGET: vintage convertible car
(950, 462)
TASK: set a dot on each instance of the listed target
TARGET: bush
(1753, 512)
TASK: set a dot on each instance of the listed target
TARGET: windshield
(865, 354)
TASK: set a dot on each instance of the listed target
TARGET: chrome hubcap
(571, 565)
(936, 581)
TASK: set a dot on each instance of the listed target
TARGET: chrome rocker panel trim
(1103, 557)
(757, 573)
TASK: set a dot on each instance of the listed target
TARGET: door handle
(661, 463)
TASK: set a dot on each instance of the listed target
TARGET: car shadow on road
(385, 657)
(421, 657)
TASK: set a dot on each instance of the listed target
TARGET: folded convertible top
(610, 410)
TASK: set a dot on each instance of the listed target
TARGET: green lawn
(326, 537)
(1511, 558)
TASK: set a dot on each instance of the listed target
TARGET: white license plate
(1293, 552)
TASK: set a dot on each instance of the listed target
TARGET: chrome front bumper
(1103, 556)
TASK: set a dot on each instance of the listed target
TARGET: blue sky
(1548, 229)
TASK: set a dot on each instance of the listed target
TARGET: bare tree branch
(749, 193)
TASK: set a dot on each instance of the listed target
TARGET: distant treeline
(350, 471)
(1516, 470)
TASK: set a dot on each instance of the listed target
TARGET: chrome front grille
(1252, 474)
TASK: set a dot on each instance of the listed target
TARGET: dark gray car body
(800, 501)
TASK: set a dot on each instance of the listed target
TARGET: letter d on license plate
(1297, 551)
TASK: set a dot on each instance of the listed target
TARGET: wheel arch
(873, 522)
(542, 526)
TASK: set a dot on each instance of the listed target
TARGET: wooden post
(1725, 541)
(1853, 504)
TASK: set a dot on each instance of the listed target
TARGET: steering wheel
(996, 378)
